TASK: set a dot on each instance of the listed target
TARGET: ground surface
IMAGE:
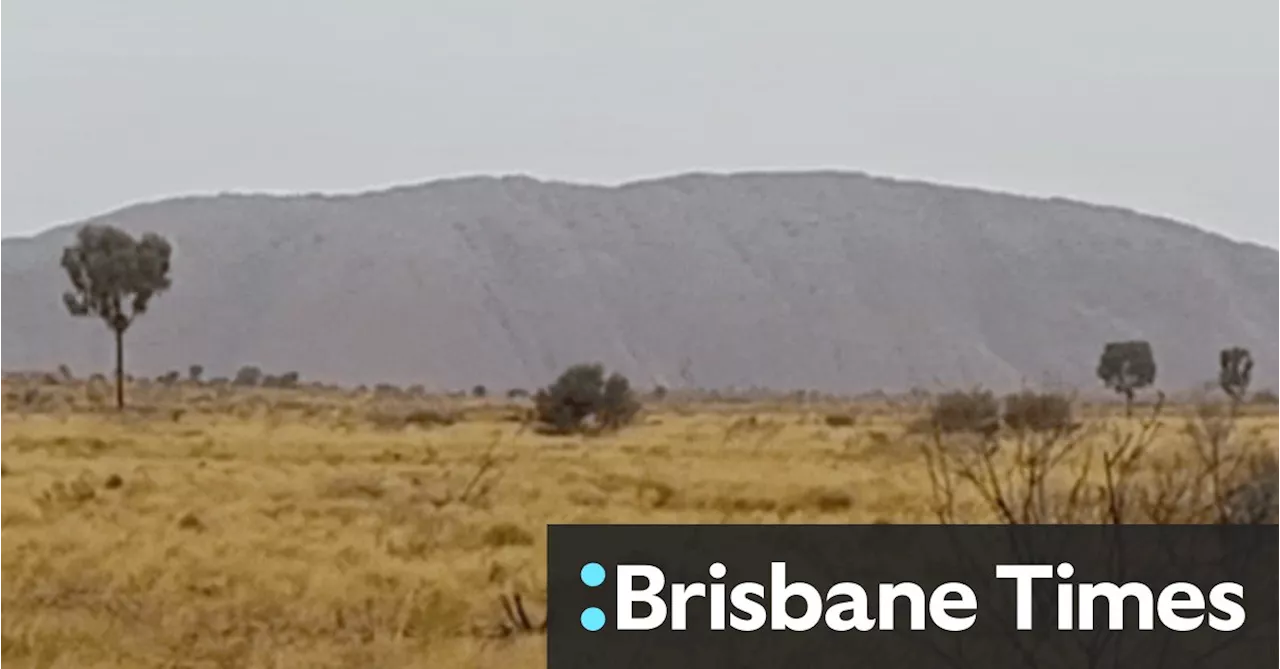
(295, 529)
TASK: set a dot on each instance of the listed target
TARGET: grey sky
(1165, 106)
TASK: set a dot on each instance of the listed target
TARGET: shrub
(839, 420)
(479, 391)
(517, 393)
(248, 375)
(286, 380)
(429, 418)
(65, 372)
(1266, 396)
(966, 411)
(168, 378)
(383, 390)
(506, 534)
(1037, 412)
(582, 392)
(1253, 499)
(619, 405)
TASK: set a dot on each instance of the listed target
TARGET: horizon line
(631, 182)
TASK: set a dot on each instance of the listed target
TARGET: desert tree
(194, 372)
(113, 277)
(1127, 367)
(1235, 369)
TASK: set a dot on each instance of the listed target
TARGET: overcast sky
(1166, 106)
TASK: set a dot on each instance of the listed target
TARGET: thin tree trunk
(120, 370)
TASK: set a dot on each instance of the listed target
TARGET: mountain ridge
(633, 183)
(823, 279)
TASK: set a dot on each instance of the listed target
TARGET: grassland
(215, 527)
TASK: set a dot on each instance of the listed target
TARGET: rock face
(829, 281)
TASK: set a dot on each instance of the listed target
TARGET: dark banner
(748, 596)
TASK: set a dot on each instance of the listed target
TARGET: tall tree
(1125, 367)
(113, 277)
(1235, 370)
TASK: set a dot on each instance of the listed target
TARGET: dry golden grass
(220, 528)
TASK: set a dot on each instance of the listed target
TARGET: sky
(1164, 106)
